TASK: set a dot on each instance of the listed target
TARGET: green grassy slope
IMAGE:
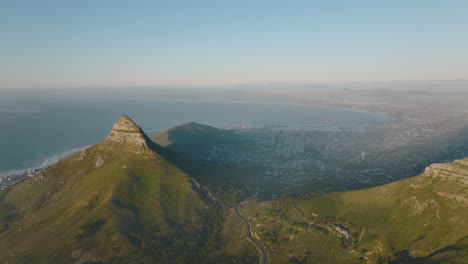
(95, 205)
(416, 220)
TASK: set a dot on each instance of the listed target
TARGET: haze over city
(234, 132)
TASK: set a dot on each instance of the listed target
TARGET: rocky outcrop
(454, 171)
(99, 161)
(126, 131)
(450, 180)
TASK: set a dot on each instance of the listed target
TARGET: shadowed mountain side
(191, 138)
(187, 142)
(454, 254)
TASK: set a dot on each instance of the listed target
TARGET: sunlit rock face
(127, 136)
(455, 171)
(450, 180)
(126, 131)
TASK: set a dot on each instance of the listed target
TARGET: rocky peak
(450, 179)
(126, 131)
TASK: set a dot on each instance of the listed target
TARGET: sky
(60, 44)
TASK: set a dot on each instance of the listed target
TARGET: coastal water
(38, 130)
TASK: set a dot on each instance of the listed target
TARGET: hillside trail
(258, 245)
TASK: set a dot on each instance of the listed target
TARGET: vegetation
(124, 201)
(109, 203)
(409, 221)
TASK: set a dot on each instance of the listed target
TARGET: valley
(234, 132)
(248, 226)
(300, 161)
(416, 216)
(249, 194)
(128, 198)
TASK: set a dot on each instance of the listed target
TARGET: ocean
(36, 130)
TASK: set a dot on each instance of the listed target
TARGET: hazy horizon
(53, 44)
(234, 132)
(395, 85)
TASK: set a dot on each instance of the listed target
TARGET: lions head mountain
(128, 199)
(119, 201)
(126, 131)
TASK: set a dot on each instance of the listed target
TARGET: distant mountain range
(128, 199)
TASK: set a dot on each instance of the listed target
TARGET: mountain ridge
(420, 219)
(126, 199)
(100, 204)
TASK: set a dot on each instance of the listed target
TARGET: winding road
(260, 247)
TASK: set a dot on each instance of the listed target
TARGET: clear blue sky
(119, 43)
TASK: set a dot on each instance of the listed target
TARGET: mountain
(119, 201)
(130, 200)
(195, 143)
(269, 161)
(193, 138)
(421, 219)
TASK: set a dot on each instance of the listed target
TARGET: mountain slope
(416, 220)
(193, 138)
(195, 143)
(96, 204)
